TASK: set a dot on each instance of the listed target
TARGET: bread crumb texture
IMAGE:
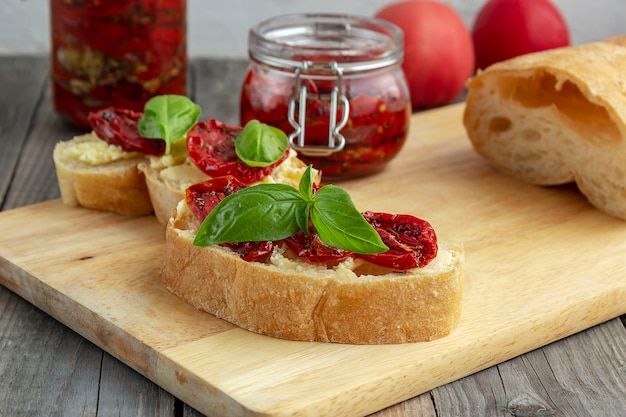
(555, 117)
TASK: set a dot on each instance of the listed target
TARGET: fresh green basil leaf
(306, 192)
(260, 145)
(306, 184)
(338, 223)
(168, 117)
(302, 218)
(258, 213)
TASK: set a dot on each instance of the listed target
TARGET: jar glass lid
(355, 43)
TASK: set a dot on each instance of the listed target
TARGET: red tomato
(507, 28)
(412, 241)
(438, 49)
(201, 198)
(211, 147)
(119, 127)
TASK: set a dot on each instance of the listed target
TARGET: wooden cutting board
(541, 264)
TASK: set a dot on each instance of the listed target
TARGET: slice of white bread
(168, 178)
(290, 299)
(99, 176)
(555, 117)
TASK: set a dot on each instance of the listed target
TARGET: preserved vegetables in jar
(115, 53)
(334, 84)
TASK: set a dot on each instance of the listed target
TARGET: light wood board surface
(541, 264)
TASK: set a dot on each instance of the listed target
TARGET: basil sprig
(260, 145)
(276, 211)
(168, 117)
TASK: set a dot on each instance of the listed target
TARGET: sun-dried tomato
(119, 127)
(202, 197)
(311, 249)
(412, 241)
(252, 251)
(211, 146)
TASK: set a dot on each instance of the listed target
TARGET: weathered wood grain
(569, 378)
(22, 80)
(46, 369)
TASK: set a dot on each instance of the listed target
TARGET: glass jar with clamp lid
(334, 84)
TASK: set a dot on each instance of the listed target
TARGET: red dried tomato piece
(412, 242)
(201, 198)
(311, 249)
(211, 146)
(252, 251)
(119, 127)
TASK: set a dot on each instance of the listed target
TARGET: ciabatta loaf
(555, 117)
(96, 175)
(290, 299)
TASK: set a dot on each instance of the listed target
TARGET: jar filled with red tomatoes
(334, 84)
(115, 53)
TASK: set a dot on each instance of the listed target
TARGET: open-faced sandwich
(303, 264)
(99, 171)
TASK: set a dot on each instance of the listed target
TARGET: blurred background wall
(218, 28)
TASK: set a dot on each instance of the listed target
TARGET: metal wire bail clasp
(336, 141)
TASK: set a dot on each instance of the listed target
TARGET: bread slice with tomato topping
(352, 301)
(94, 174)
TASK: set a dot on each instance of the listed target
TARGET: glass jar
(334, 84)
(115, 53)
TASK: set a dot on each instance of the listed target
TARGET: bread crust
(418, 305)
(164, 196)
(116, 186)
(555, 117)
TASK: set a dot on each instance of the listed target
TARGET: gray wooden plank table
(48, 370)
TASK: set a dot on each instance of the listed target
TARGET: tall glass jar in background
(334, 84)
(115, 53)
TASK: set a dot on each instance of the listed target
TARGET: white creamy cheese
(93, 151)
(184, 175)
(288, 172)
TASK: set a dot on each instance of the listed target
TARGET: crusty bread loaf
(99, 176)
(289, 299)
(555, 117)
(167, 179)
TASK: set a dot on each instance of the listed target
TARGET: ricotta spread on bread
(91, 150)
